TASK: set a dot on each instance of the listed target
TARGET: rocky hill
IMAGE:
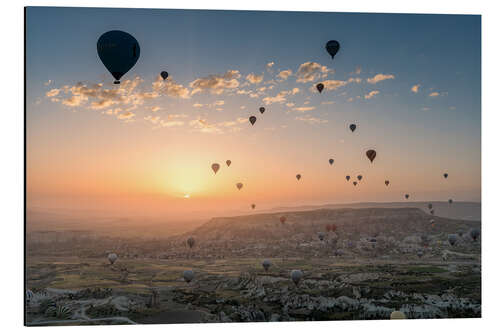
(350, 223)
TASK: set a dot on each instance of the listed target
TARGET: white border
(11, 132)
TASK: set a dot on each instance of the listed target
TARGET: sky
(411, 84)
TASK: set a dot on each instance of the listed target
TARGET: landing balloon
(266, 264)
(296, 276)
(188, 275)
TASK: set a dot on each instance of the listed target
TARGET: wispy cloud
(311, 120)
(415, 88)
(216, 83)
(283, 75)
(254, 78)
(310, 71)
(372, 94)
(379, 77)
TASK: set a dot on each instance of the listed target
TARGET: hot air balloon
(332, 47)
(359, 177)
(386, 183)
(474, 234)
(296, 276)
(239, 185)
(347, 178)
(266, 264)
(188, 275)
(450, 201)
(331, 161)
(164, 75)
(112, 258)
(321, 236)
(407, 196)
(397, 315)
(190, 242)
(298, 176)
(282, 219)
(262, 109)
(420, 253)
(215, 167)
(352, 127)
(452, 239)
(252, 119)
(253, 206)
(445, 175)
(371, 154)
(320, 87)
(118, 51)
(228, 162)
(355, 183)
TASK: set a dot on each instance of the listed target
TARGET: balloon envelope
(371, 154)
(118, 51)
(112, 258)
(253, 206)
(298, 176)
(407, 196)
(188, 275)
(360, 177)
(164, 75)
(296, 275)
(215, 167)
(320, 87)
(445, 175)
(228, 162)
(266, 264)
(332, 47)
(330, 161)
(352, 127)
(239, 185)
(252, 120)
(452, 239)
(347, 178)
(262, 109)
(354, 183)
(386, 183)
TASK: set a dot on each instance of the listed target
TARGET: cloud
(425, 109)
(219, 103)
(355, 80)
(53, 92)
(372, 94)
(290, 104)
(310, 71)
(333, 84)
(254, 78)
(216, 83)
(170, 88)
(280, 97)
(155, 108)
(285, 74)
(311, 120)
(379, 77)
(243, 92)
(327, 102)
(415, 88)
(126, 115)
(434, 94)
(269, 65)
(305, 108)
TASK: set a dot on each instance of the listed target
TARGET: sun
(186, 196)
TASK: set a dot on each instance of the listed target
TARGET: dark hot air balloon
(360, 177)
(164, 75)
(252, 119)
(332, 47)
(188, 275)
(330, 161)
(262, 109)
(266, 264)
(352, 127)
(320, 87)
(239, 185)
(354, 183)
(407, 196)
(228, 162)
(347, 178)
(386, 183)
(253, 206)
(296, 276)
(445, 175)
(371, 154)
(298, 176)
(215, 167)
(118, 51)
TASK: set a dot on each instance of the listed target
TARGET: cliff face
(396, 222)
